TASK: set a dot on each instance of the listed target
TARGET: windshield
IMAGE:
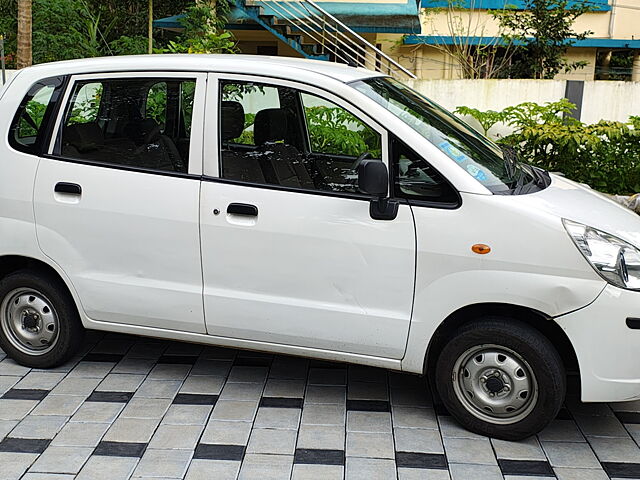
(474, 153)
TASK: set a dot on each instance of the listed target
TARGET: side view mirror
(373, 179)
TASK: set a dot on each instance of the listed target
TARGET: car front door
(117, 197)
(290, 252)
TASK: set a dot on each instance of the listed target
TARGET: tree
(488, 58)
(543, 29)
(24, 53)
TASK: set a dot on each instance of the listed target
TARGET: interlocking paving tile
(134, 408)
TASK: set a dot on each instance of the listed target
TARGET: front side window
(27, 130)
(140, 123)
(282, 136)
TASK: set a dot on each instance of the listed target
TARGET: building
(406, 39)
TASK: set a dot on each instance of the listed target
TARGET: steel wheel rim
(495, 384)
(29, 321)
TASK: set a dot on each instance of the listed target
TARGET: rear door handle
(242, 209)
(69, 188)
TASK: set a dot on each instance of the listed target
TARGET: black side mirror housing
(373, 179)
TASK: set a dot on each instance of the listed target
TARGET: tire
(501, 378)
(39, 322)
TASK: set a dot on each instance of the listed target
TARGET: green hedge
(605, 155)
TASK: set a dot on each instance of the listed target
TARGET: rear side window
(28, 129)
(143, 123)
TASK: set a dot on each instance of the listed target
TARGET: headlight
(617, 261)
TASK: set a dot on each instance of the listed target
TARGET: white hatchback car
(312, 209)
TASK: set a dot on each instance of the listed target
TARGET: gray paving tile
(213, 470)
(163, 463)
(80, 435)
(633, 406)
(187, 415)
(601, 426)
(320, 414)
(561, 431)
(62, 405)
(91, 369)
(615, 449)
(176, 437)
(235, 410)
(107, 468)
(266, 467)
(158, 388)
(371, 445)
(134, 366)
(11, 368)
(15, 409)
(580, 474)
(147, 350)
(368, 421)
(452, 429)
(468, 450)
(289, 368)
(98, 412)
(203, 384)
(135, 430)
(120, 382)
(411, 397)
(418, 440)
(327, 376)
(76, 386)
(248, 374)
(39, 380)
(276, 387)
(15, 464)
(48, 476)
(6, 426)
(223, 432)
(139, 407)
(7, 382)
(461, 471)
(321, 394)
(414, 417)
(169, 372)
(242, 391)
(528, 449)
(367, 391)
(369, 469)
(314, 472)
(269, 441)
(328, 437)
(39, 426)
(283, 418)
(572, 455)
(219, 368)
(431, 474)
(61, 460)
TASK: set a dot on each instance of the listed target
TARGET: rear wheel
(39, 324)
(500, 377)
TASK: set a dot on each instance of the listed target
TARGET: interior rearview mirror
(373, 179)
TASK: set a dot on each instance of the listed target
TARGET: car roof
(284, 67)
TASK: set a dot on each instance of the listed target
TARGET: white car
(313, 209)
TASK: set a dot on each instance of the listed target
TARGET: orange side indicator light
(480, 248)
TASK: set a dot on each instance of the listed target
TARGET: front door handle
(68, 188)
(242, 209)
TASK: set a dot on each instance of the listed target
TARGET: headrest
(232, 120)
(142, 132)
(270, 125)
(84, 136)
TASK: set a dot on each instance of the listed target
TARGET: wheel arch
(538, 320)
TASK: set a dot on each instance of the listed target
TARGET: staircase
(315, 33)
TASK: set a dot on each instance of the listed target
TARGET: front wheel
(501, 378)
(39, 323)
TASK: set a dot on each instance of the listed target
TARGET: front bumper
(608, 350)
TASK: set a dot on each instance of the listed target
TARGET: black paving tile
(111, 397)
(281, 402)
(628, 417)
(368, 405)
(526, 467)
(24, 445)
(25, 394)
(219, 452)
(421, 460)
(622, 470)
(318, 456)
(120, 449)
(195, 399)
(103, 357)
(178, 359)
(564, 414)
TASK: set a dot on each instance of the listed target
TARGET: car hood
(567, 199)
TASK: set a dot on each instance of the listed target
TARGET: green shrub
(605, 155)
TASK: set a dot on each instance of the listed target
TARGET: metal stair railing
(332, 35)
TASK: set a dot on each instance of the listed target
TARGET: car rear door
(116, 198)
(290, 252)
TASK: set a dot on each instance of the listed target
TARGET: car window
(139, 123)
(27, 129)
(281, 136)
(415, 179)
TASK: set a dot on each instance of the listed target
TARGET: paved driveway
(131, 407)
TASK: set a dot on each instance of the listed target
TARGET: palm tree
(24, 57)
